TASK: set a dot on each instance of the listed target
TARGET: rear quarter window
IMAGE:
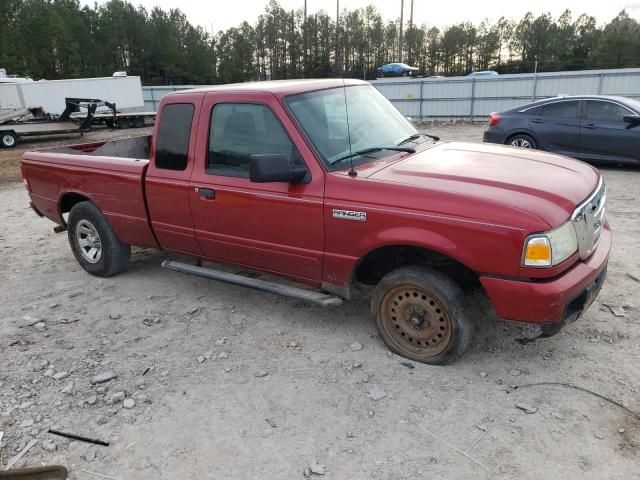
(172, 145)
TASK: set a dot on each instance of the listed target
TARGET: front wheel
(420, 315)
(522, 141)
(94, 243)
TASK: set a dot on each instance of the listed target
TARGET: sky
(215, 15)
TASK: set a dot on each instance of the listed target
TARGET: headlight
(550, 248)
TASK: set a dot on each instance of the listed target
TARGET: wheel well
(70, 199)
(377, 263)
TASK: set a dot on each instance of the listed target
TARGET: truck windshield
(356, 118)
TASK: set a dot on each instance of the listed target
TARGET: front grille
(588, 220)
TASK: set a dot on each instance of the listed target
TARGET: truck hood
(546, 185)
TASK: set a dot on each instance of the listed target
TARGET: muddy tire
(94, 243)
(420, 315)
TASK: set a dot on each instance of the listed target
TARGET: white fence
(475, 98)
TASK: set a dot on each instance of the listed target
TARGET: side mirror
(274, 168)
(632, 119)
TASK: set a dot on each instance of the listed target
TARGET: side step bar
(310, 296)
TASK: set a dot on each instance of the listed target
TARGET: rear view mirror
(274, 168)
(632, 119)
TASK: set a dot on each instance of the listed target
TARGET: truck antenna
(352, 172)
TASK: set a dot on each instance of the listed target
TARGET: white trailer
(125, 92)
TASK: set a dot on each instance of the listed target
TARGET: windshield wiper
(416, 136)
(374, 149)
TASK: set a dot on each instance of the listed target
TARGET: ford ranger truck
(325, 184)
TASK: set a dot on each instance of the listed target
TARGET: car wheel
(420, 315)
(94, 243)
(522, 141)
(8, 139)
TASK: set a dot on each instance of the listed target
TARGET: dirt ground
(224, 382)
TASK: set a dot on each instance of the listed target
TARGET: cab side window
(239, 130)
(172, 145)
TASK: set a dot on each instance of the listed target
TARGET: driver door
(275, 227)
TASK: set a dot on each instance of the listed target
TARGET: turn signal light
(538, 252)
(494, 119)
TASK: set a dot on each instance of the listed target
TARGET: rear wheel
(8, 139)
(522, 141)
(420, 315)
(94, 243)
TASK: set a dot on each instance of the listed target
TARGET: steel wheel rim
(8, 140)
(416, 320)
(89, 242)
(521, 143)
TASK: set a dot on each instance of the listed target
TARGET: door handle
(206, 193)
(537, 120)
(590, 126)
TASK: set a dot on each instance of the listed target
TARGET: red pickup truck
(325, 183)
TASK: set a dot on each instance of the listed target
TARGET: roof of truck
(280, 87)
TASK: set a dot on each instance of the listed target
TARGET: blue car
(484, 74)
(589, 127)
(397, 70)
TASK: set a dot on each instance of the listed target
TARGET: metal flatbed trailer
(123, 119)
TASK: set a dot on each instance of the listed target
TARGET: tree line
(61, 39)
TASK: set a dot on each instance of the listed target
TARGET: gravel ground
(216, 381)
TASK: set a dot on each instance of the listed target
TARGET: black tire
(8, 139)
(124, 123)
(114, 255)
(522, 141)
(138, 122)
(420, 315)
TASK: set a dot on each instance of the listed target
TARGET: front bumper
(561, 299)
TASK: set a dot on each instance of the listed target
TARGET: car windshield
(367, 123)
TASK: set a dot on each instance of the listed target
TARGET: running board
(310, 296)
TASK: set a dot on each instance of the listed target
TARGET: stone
(49, 373)
(223, 355)
(365, 377)
(200, 359)
(294, 345)
(261, 373)
(598, 435)
(129, 403)
(101, 390)
(103, 377)
(318, 469)
(355, 346)
(68, 388)
(27, 423)
(49, 445)
(306, 472)
(60, 375)
(208, 355)
(376, 393)
(117, 397)
(92, 400)
(221, 341)
(102, 420)
(114, 316)
(40, 326)
(621, 430)
(350, 435)
(143, 398)
(483, 427)
(227, 369)
(514, 372)
(527, 407)
(357, 364)
(483, 374)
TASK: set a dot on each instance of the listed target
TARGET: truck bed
(110, 174)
